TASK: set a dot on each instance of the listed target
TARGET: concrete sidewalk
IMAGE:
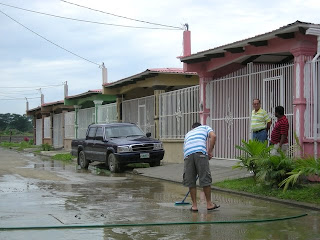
(220, 170)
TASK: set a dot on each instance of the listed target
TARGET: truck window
(92, 133)
(99, 133)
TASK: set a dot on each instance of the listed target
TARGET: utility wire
(19, 98)
(37, 87)
(48, 39)
(86, 21)
(115, 15)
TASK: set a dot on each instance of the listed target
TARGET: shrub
(46, 147)
(302, 167)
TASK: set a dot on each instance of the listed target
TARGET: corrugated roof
(265, 36)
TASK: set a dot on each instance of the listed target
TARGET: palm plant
(303, 167)
(274, 168)
(253, 151)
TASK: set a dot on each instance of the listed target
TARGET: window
(92, 133)
(99, 133)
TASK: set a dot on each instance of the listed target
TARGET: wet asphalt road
(37, 191)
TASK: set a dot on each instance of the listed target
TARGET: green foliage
(138, 165)
(309, 193)
(19, 146)
(15, 123)
(302, 167)
(66, 157)
(253, 151)
(46, 147)
(274, 168)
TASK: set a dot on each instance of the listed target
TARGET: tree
(18, 122)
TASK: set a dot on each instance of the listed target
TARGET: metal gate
(108, 113)
(141, 112)
(47, 127)
(178, 111)
(38, 132)
(312, 95)
(69, 125)
(85, 118)
(231, 103)
(57, 130)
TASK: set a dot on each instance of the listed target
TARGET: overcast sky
(28, 62)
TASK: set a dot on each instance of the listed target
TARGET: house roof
(149, 73)
(90, 92)
(259, 40)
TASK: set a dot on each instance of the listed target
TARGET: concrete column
(97, 104)
(204, 101)
(76, 125)
(51, 128)
(157, 112)
(119, 107)
(34, 130)
(63, 127)
(301, 54)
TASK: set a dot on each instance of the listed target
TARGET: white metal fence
(141, 112)
(57, 130)
(85, 118)
(311, 93)
(47, 127)
(178, 111)
(107, 113)
(69, 125)
(231, 103)
(38, 131)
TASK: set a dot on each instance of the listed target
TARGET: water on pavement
(95, 196)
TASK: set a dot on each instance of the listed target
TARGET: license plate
(144, 155)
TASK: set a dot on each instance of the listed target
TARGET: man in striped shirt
(196, 163)
(279, 135)
(260, 122)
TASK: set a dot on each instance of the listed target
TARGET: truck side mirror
(148, 134)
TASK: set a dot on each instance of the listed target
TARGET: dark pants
(260, 135)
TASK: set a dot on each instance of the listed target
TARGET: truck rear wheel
(82, 160)
(113, 163)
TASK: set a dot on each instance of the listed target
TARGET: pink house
(280, 67)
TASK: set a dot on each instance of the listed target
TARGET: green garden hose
(149, 224)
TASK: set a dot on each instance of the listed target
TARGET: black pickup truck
(117, 144)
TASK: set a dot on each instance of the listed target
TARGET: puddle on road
(96, 196)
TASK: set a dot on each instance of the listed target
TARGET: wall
(173, 151)
(67, 144)
(47, 140)
(15, 139)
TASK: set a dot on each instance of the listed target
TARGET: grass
(138, 165)
(309, 193)
(19, 146)
(65, 157)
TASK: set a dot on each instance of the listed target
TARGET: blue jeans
(260, 136)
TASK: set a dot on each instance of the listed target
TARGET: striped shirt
(280, 128)
(259, 120)
(196, 140)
